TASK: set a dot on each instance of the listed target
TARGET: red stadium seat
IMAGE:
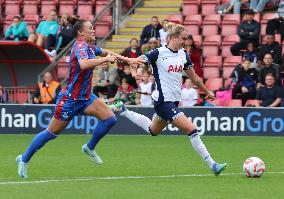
(62, 68)
(193, 23)
(230, 24)
(175, 19)
(214, 84)
(32, 21)
(46, 6)
(264, 20)
(84, 8)
(211, 67)
(103, 26)
(7, 22)
(30, 7)
(234, 103)
(12, 8)
(66, 6)
(232, 61)
(18, 97)
(211, 25)
(251, 102)
(208, 7)
(211, 45)
(197, 40)
(228, 41)
(227, 71)
(190, 7)
(87, 17)
(100, 5)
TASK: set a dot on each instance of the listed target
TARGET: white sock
(138, 119)
(200, 148)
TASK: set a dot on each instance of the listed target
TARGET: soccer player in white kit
(168, 63)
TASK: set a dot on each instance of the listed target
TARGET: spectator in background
(151, 30)
(153, 43)
(107, 80)
(125, 93)
(277, 24)
(189, 95)
(18, 31)
(270, 95)
(126, 74)
(272, 47)
(251, 54)
(163, 33)
(50, 26)
(195, 55)
(47, 90)
(132, 51)
(3, 95)
(246, 79)
(145, 88)
(63, 36)
(236, 5)
(259, 5)
(248, 31)
(269, 67)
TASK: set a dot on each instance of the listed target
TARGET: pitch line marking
(77, 179)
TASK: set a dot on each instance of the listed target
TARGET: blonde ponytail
(174, 29)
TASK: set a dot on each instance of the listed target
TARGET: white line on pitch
(76, 179)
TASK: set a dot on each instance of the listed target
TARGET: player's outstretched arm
(91, 63)
(196, 80)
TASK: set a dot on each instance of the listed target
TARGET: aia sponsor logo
(175, 69)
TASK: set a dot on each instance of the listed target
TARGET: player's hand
(210, 96)
(136, 62)
(110, 58)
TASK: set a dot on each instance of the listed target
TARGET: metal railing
(19, 95)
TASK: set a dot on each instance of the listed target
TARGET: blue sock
(38, 142)
(100, 131)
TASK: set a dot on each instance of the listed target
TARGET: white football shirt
(168, 66)
(146, 100)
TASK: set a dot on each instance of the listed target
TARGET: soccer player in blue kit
(77, 98)
(168, 64)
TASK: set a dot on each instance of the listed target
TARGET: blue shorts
(66, 108)
(168, 111)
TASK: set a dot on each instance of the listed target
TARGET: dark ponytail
(77, 24)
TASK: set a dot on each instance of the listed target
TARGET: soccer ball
(253, 167)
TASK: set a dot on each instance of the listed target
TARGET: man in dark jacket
(277, 24)
(269, 68)
(248, 31)
(246, 79)
(271, 47)
(151, 30)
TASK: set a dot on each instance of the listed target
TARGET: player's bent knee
(153, 133)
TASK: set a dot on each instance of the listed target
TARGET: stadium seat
(190, 7)
(84, 8)
(227, 71)
(264, 20)
(211, 25)
(12, 8)
(46, 6)
(87, 17)
(192, 23)
(228, 41)
(62, 68)
(176, 19)
(18, 97)
(32, 21)
(100, 5)
(251, 102)
(30, 7)
(7, 22)
(214, 84)
(227, 82)
(230, 24)
(234, 103)
(66, 6)
(103, 26)
(197, 40)
(232, 61)
(211, 67)
(211, 45)
(208, 7)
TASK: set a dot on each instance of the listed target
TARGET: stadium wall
(18, 119)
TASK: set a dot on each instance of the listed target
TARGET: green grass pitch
(137, 167)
